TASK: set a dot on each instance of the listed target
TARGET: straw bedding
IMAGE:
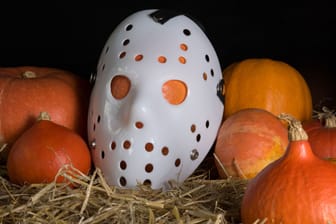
(202, 198)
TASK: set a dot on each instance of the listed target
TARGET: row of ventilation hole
(162, 59)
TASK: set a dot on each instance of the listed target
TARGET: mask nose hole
(120, 86)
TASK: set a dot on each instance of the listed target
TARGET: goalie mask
(157, 100)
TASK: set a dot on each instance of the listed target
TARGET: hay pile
(201, 199)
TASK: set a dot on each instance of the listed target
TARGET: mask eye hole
(120, 86)
(174, 91)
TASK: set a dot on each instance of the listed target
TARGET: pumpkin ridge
(5, 84)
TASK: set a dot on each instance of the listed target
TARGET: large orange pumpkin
(247, 141)
(297, 188)
(267, 84)
(27, 90)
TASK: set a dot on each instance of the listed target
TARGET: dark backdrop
(72, 38)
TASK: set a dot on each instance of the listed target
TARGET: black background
(72, 38)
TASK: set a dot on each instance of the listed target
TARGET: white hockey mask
(157, 101)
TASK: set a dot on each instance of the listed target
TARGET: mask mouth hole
(174, 91)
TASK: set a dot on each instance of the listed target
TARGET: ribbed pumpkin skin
(249, 139)
(299, 188)
(267, 84)
(63, 94)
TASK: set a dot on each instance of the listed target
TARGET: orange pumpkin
(27, 90)
(43, 149)
(297, 188)
(267, 84)
(247, 141)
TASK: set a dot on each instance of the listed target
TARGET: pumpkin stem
(295, 130)
(28, 75)
(327, 116)
(330, 122)
(44, 116)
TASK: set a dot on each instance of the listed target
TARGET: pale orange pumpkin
(27, 90)
(267, 84)
(297, 188)
(247, 141)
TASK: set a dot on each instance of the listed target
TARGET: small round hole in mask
(165, 150)
(183, 47)
(122, 54)
(162, 59)
(207, 58)
(122, 181)
(193, 128)
(149, 147)
(177, 162)
(123, 165)
(207, 123)
(147, 182)
(138, 57)
(182, 60)
(186, 32)
(198, 137)
(205, 76)
(129, 27)
(174, 91)
(127, 144)
(139, 124)
(149, 167)
(126, 42)
(120, 86)
(113, 145)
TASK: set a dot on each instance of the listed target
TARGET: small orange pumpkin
(27, 90)
(247, 141)
(267, 84)
(299, 187)
(43, 149)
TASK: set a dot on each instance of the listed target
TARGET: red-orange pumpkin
(43, 149)
(322, 134)
(27, 90)
(297, 188)
(247, 141)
